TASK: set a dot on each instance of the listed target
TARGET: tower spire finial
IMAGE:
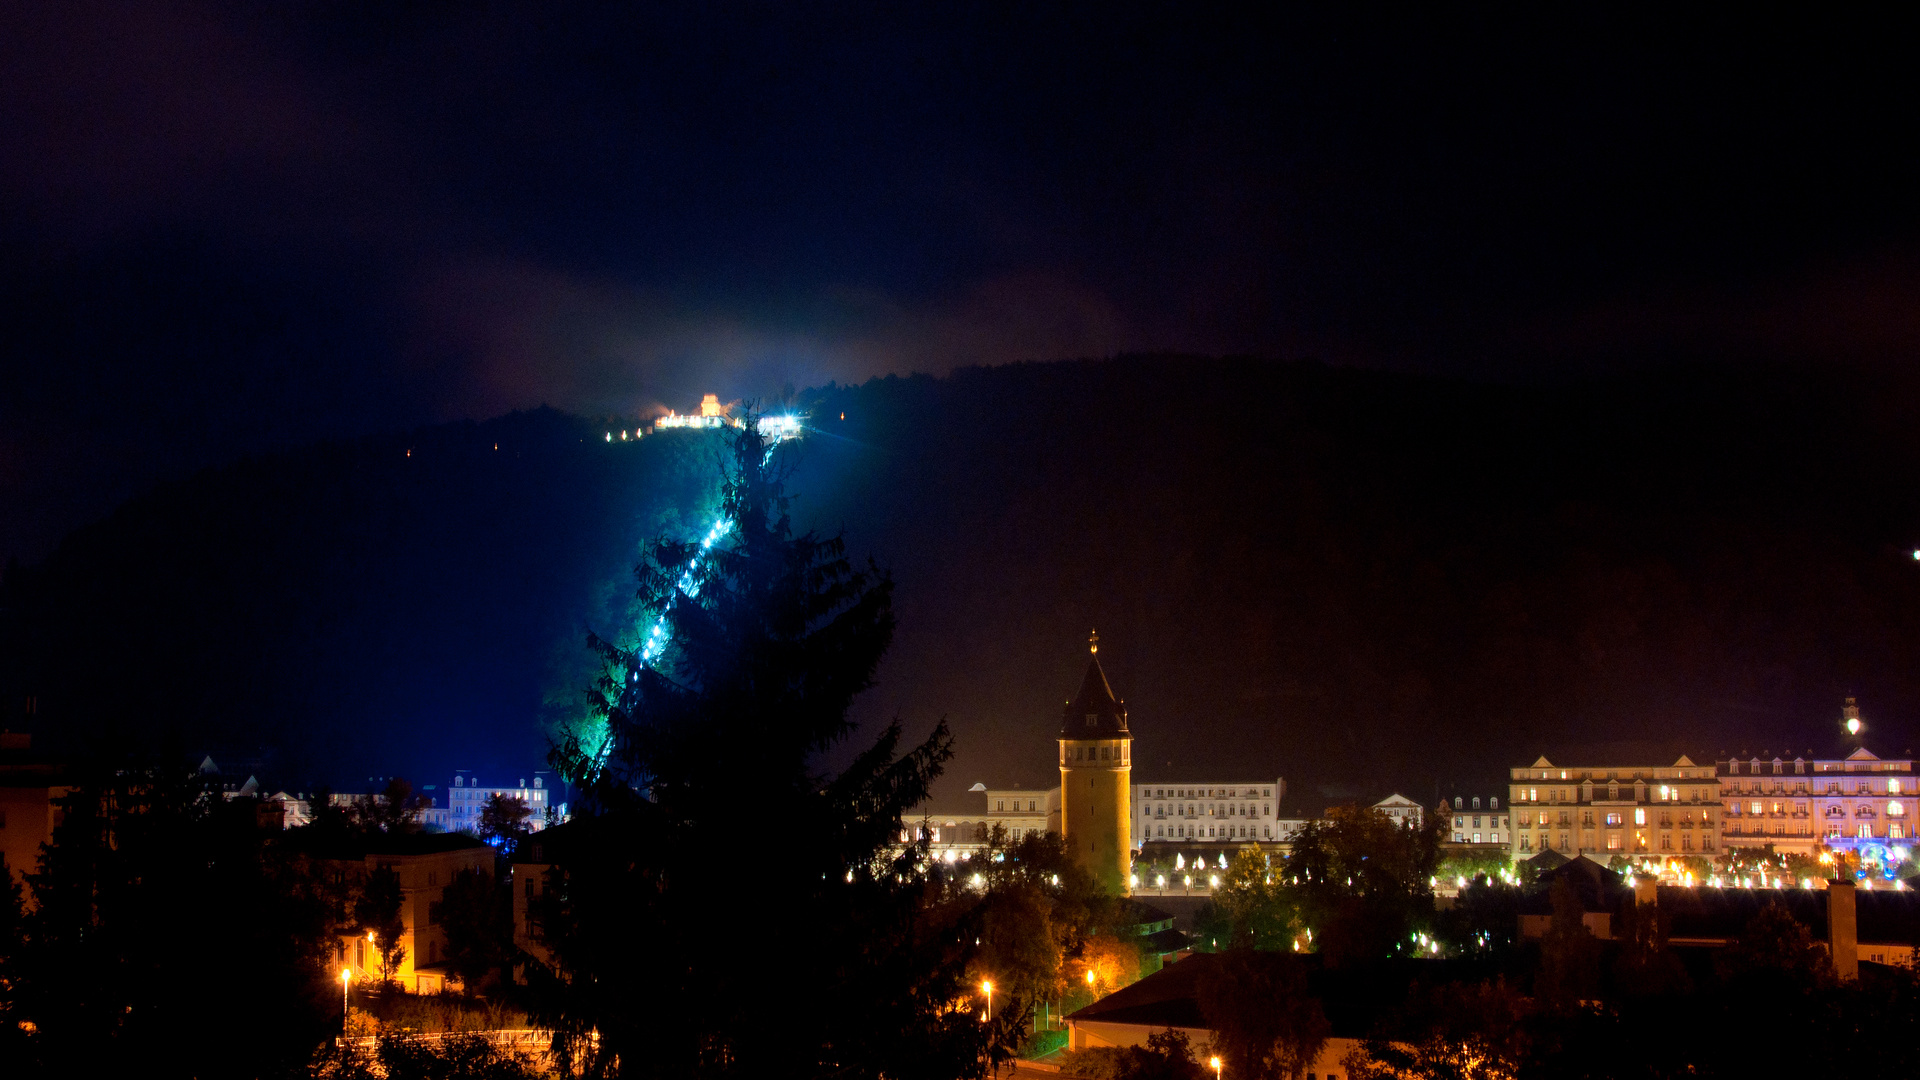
(1093, 642)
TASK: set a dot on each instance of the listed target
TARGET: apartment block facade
(1859, 801)
(1238, 810)
(1608, 810)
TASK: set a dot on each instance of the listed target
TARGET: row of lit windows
(1206, 793)
(1215, 810)
(1834, 787)
(1612, 774)
(1614, 842)
(1197, 832)
(1616, 818)
(1108, 752)
(1755, 766)
(1895, 808)
(1663, 793)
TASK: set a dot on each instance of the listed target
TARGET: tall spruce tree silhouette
(719, 906)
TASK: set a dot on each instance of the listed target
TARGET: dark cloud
(228, 228)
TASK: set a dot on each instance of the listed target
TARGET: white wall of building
(1244, 810)
(468, 796)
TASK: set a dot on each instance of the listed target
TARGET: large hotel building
(1609, 810)
(1854, 801)
(1858, 801)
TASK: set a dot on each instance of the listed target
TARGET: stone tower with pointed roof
(1096, 768)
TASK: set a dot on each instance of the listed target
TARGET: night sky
(227, 230)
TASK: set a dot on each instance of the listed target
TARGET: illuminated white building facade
(467, 797)
(1243, 810)
(1402, 811)
(1467, 821)
(1021, 811)
(1857, 802)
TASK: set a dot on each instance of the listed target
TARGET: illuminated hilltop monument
(712, 415)
(1096, 765)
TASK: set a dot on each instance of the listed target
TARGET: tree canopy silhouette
(720, 906)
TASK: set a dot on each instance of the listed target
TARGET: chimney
(1646, 890)
(1843, 930)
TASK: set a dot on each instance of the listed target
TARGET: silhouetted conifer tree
(378, 910)
(476, 913)
(722, 904)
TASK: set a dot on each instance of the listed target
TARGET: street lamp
(346, 980)
(1089, 980)
(987, 985)
(1214, 1062)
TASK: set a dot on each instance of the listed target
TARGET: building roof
(1592, 883)
(354, 844)
(1354, 997)
(1169, 997)
(1167, 941)
(1143, 912)
(1703, 914)
(1094, 713)
(547, 846)
(1547, 860)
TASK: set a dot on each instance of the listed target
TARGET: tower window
(1092, 719)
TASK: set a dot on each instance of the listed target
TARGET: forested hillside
(1360, 580)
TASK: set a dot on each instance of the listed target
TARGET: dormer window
(1476, 802)
(1093, 719)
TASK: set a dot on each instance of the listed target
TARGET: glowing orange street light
(346, 980)
(1214, 1062)
(1089, 978)
(987, 985)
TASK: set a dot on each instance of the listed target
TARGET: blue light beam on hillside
(774, 429)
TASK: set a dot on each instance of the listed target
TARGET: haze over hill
(1363, 581)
